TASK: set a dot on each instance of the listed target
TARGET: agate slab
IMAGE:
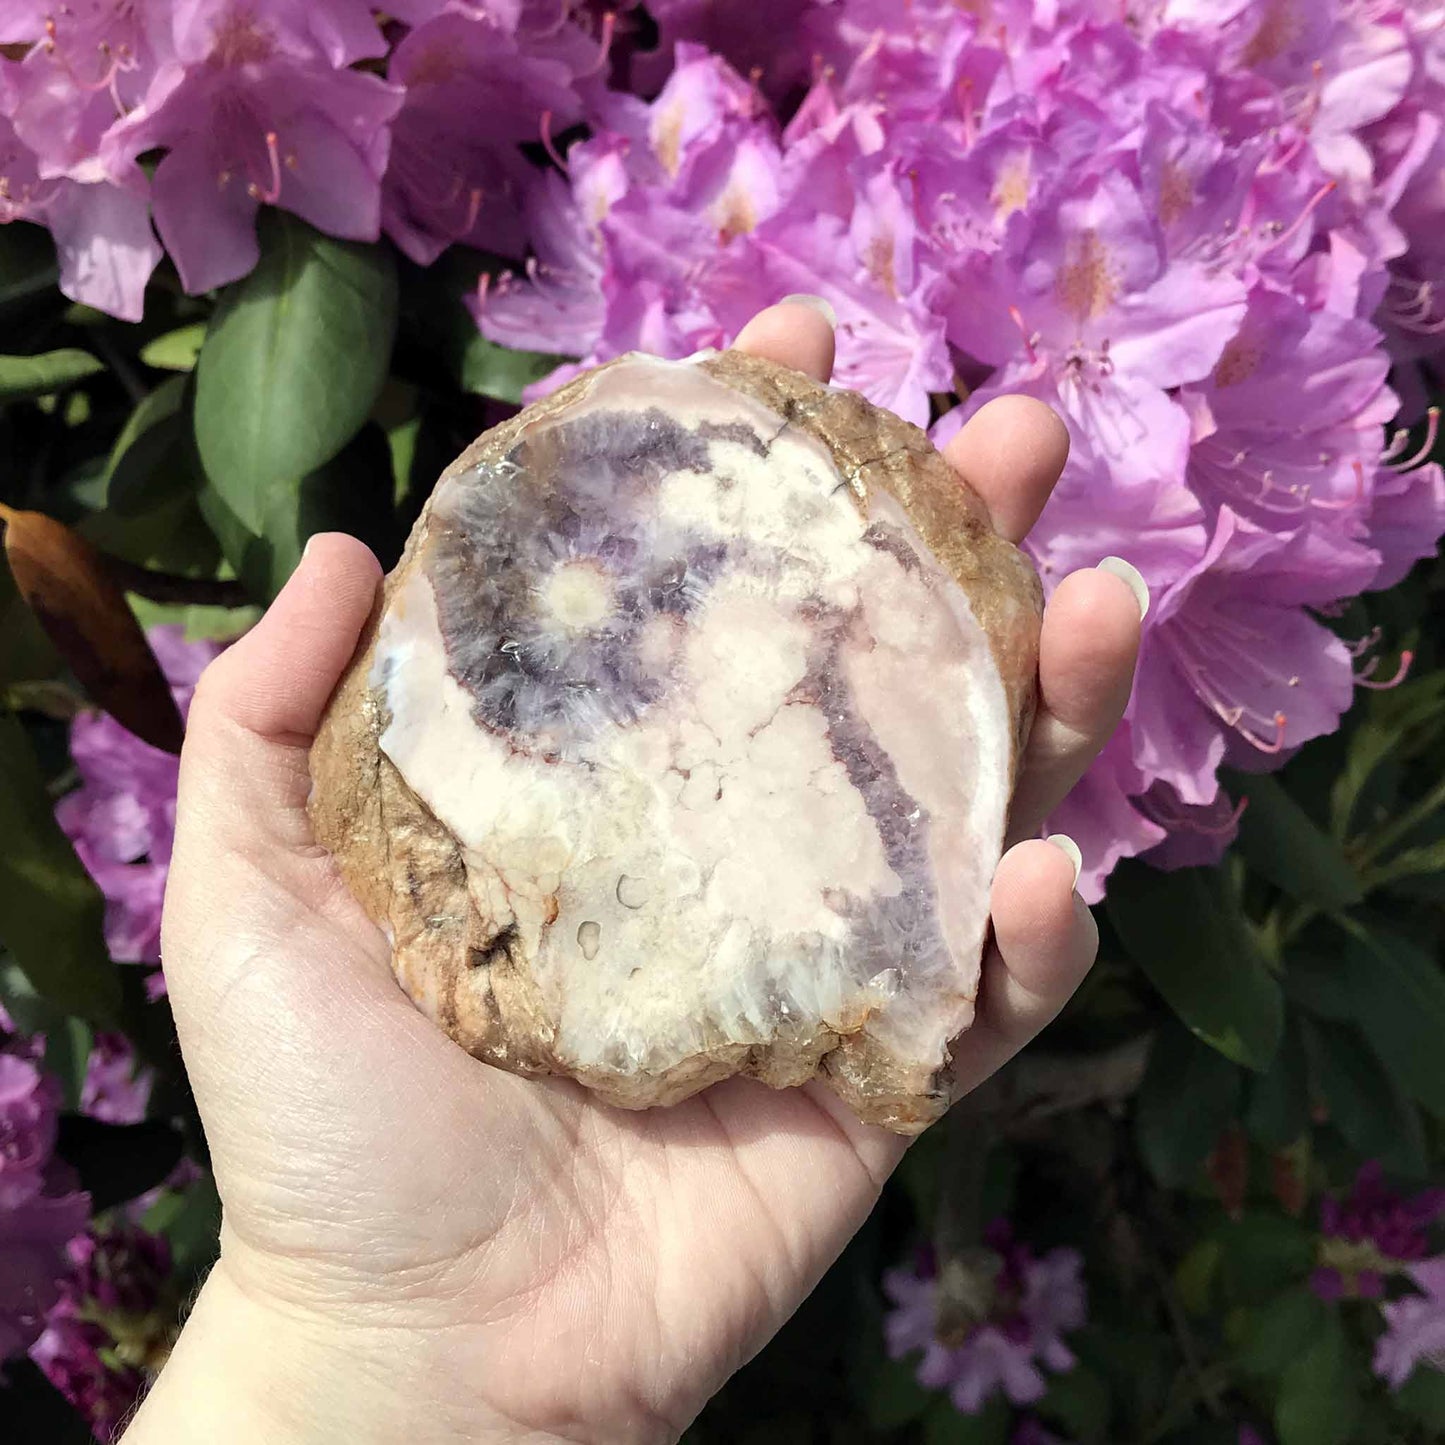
(682, 740)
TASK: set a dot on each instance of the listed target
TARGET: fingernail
(1128, 573)
(1068, 847)
(816, 303)
(310, 543)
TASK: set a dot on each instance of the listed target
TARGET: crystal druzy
(682, 739)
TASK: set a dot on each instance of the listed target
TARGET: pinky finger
(1044, 943)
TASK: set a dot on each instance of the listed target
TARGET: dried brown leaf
(74, 594)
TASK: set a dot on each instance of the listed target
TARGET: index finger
(1011, 452)
(797, 332)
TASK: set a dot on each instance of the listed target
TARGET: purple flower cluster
(1178, 229)
(1371, 1233)
(122, 817)
(111, 1327)
(1035, 1302)
(40, 1209)
(312, 107)
(76, 1356)
(1199, 230)
(116, 1088)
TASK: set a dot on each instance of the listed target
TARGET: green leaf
(28, 268)
(1279, 1099)
(1190, 1092)
(1423, 1396)
(1195, 1274)
(440, 345)
(141, 472)
(1319, 982)
(153, 478)
(175, 350)
(487, 369)
(1400, 1002)
(401, 442)
(24, 377)
(1365, 1101)
(117, 1162)
(67, 1055)
(1204, 1432)
(1418, 873)
(1077, 1401)
(201, 624)
(894, 1395)
(1273, 1333)
(1319, 1395)
(296, 355)
(352, 493)
(191, 1222)
(29, 1012)
(946, 1425)
(1263, 1254)
(1281, 842)
(1188, 935)
(1399, 722)
(26, 653)
(50, 911)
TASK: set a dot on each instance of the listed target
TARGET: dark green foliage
(50, 911)
(118, 1162)
(1187, 932)
(293, 359)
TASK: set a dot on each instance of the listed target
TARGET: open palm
(505, 1258)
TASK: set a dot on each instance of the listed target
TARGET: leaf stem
(1402, 826)
(125, 373)
(169, 587)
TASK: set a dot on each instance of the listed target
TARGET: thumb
(246, 874)
(257, 706)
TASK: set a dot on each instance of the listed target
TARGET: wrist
(243, 1371)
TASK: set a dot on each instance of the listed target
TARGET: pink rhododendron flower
(89, 62)
(122, 817)
(1036, 1301)
(116, 1088)
(473, 94)
(102, 232)
(40, 1211)
(256, 119)
(209, 32)
(1415, 1326)
(1176, 232)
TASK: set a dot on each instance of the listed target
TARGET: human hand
(416, 1245)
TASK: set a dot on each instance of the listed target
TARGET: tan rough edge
(407, 874)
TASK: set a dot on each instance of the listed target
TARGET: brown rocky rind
(407, 871)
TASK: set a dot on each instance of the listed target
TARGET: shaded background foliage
(1194, 1126)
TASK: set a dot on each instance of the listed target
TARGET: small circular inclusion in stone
(632, 892)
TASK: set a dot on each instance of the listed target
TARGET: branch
(168, 587)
